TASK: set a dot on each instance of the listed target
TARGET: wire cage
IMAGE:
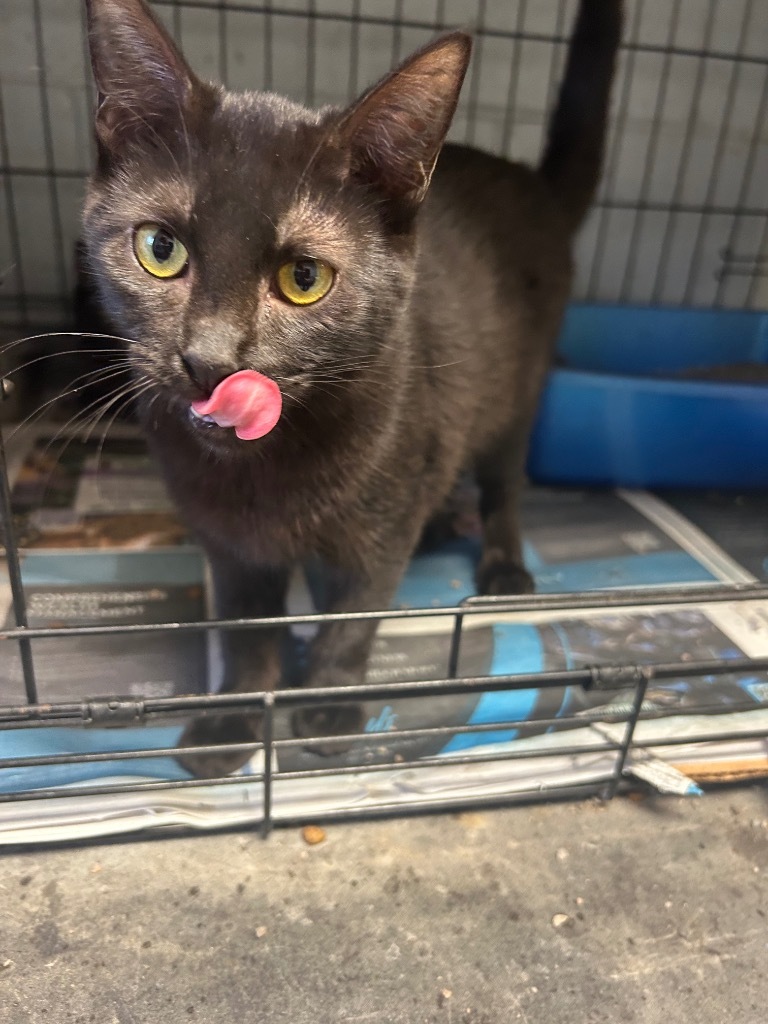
(681, 220)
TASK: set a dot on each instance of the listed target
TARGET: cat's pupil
(162, 246)
(305, 274)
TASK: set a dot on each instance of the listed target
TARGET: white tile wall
(689, 144)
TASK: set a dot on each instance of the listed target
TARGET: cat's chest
(260, 520)
(261, 510)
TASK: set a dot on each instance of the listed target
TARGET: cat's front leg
(500, 475)
(339, 653)
(252, 660)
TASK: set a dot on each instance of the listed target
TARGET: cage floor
(629, 911)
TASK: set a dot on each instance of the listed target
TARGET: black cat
(329, 322)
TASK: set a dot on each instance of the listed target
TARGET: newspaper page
(100, 542)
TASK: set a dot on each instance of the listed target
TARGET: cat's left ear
(144, 84)
(394, 133)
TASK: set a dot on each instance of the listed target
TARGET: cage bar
(665, 212)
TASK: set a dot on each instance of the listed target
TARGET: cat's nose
(204, 372)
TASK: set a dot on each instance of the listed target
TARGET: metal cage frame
(627, 677)
(120, 711)
(647, 214)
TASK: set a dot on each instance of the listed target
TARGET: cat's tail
(573, 154)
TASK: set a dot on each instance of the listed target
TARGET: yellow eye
(304, 281)
(159, 252)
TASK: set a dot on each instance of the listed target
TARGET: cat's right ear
(393, 134)
(144, 84)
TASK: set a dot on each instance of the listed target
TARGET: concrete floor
(651, 910)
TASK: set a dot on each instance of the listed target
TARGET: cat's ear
(394, 133)
(144, 84)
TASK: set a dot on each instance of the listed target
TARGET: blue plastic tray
(617, 415)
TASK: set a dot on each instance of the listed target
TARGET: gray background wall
(687, 169)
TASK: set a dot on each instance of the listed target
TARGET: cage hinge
(114, 711)
(616, 677)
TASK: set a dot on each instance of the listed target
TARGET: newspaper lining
(129, 560)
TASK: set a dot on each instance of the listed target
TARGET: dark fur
(428, 355)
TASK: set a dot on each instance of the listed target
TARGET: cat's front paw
(205, 732)
(322, 723)
(499, 577)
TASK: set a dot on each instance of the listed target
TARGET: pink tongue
(247, 401)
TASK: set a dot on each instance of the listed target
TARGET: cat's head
(230, 231)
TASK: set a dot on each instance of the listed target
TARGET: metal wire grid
(57, 186)
(682, 217)
(119, 711)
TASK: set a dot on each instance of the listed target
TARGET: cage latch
(616, 677)
(113, 711)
